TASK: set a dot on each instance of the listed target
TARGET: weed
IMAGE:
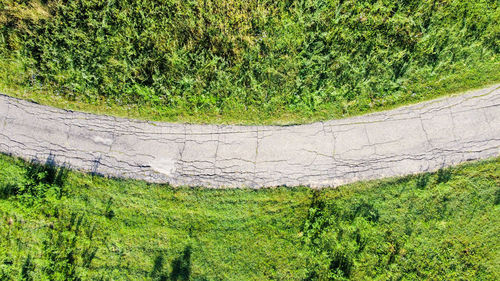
(443, 175)
(27, 268)
(246, 61)
(108, 212)
(421, 181)
(66, 248)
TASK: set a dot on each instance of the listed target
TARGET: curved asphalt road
(411, 139)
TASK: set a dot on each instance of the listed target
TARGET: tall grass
(309, 59)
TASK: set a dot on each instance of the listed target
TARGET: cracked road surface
(406, 140)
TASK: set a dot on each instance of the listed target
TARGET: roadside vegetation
(62, 225)
(245, 61)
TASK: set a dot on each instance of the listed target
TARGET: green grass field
(57, 225)
(250, 62)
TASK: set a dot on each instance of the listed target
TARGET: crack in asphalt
(411, 139)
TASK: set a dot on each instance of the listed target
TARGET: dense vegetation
(60, 225)
(245, 61)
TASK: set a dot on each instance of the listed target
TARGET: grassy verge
(247, 62)
(61, 225)
(465, 79)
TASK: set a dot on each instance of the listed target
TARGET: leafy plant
(27, 268)
(443, 175)
(42, 180)
(108, 212)
(421, 181)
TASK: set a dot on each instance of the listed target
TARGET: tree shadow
(157, 272)
(181, 267)
(53, 174)
(37, 172)
(95, 166)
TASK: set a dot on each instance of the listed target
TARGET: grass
(438, 226)
(246, 62)
(465, 80)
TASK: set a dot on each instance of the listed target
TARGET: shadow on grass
(38, 177)
(181, 267)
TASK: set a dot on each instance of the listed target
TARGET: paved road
(417, 138)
